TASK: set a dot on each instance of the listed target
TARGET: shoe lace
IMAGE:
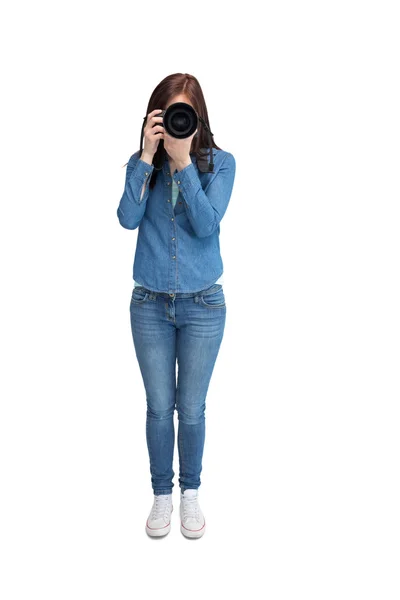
(160, 506)
(191, 508)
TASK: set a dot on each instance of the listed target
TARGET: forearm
(205, 208)
(133, 202)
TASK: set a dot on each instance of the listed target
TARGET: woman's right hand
(152, 134)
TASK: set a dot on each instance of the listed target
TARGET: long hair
(168, 88)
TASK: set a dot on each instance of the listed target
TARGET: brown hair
(168, 88)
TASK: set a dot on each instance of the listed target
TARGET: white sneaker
(159, 519)
(193, 524)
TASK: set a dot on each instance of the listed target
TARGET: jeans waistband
(210, 290)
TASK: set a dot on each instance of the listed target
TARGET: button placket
(169, 200)
(168, 191)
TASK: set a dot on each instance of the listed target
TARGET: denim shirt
(177, 248)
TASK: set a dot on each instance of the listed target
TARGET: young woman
(177, 307)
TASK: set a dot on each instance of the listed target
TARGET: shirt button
(173, 238)
(168, 200)
(178, 181)
(168, 183)
(172, 219)
(174, 257)
(146, 173)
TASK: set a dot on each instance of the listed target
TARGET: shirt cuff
(142, 170)
(141, 175)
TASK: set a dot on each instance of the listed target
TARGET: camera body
(180, 120)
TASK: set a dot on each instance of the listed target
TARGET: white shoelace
(190, 507)
(161, 504)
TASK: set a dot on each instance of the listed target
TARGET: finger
(157, 128)
(151, 117)
(152, 124)
(156, 120)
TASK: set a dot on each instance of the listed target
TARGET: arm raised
(205, 209)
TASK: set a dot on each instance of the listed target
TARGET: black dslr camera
(180, 120)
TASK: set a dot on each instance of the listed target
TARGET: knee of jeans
(191, 415)
(155, 412)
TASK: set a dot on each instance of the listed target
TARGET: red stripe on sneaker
(148, 526)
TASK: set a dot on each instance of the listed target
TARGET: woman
(177, 307)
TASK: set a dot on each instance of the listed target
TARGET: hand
(179, 150)
(153, 132)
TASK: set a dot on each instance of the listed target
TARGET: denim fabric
(177, 248)
(184, 329)
(175, 193)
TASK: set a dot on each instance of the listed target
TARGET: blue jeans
(187, 328)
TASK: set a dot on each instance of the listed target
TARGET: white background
(300, 481)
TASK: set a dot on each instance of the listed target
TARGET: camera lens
(180, 120)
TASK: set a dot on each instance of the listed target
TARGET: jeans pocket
(139, 295)
(214, 300)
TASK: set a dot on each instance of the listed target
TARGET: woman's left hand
(178, 150)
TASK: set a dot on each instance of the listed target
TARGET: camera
(180, 120)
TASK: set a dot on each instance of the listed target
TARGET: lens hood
(179, 120)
